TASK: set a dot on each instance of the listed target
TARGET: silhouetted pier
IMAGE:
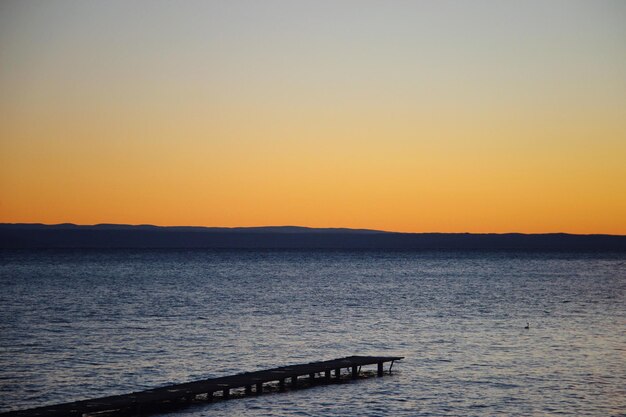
(159, 399)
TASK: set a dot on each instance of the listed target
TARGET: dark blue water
(79, 324)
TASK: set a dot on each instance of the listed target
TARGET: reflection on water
(79, 324)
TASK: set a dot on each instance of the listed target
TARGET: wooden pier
(158, 399)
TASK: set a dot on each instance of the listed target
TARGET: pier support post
(380, 369)
(338, 373)
(312, 378)
(259, 388)
(294, 381)
(209, 396)
(355, 372)
(226, 393)
(327, 375)
(248, 389)
(281, 384)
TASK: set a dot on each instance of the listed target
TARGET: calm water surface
(79, 324)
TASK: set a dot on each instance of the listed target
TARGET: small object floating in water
(157, 400)
(527, 325)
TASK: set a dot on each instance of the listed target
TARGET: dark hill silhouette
(285, 237)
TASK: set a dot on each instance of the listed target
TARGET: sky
(415, 116)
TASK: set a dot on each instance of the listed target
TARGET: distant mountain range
(31, 236)
(149, 227)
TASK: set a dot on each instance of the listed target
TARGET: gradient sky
(449, 116)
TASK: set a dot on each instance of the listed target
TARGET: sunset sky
(416, 116)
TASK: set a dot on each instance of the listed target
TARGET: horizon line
(302, 227)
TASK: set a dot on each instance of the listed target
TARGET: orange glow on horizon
(316, 120)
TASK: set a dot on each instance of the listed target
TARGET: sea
(77, 324)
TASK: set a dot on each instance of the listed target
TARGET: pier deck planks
(152, 397)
